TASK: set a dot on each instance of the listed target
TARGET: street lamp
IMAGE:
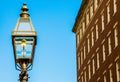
(24, 41)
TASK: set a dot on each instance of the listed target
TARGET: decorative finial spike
(24, 3)
(24, 11)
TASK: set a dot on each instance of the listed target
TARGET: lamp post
(24, 41)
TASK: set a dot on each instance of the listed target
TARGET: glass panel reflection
(24, 26)
(24, 47)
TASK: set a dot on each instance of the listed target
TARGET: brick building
(97, 29)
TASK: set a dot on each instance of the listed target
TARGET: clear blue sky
(55, 56)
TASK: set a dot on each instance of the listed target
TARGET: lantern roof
(24, 26)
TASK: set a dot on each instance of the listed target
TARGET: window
(116, 36)
(105, 79)
(79, 62)
(118, 71)
(98, 79)
(92, 36)
(82, 79)
(98, 61)
(111, 78)
(102, 18)
(91, 10)
(84, 52)
(103, 50)
(78, 39)
(81, 33)
(87, 18)
(83, 24)
(89, 70)
(81, 57)
(95, 4)
(109, 45)
(85, 76)
(96, 31)
(108, 12)
(88, 44)
(115, 6)
(93, 63)
(79, 79)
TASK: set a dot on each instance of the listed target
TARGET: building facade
(97, 29)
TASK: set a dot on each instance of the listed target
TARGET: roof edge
(79, 15)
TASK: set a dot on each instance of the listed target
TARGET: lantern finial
(24, 9)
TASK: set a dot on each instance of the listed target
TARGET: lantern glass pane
(24, 26)
(24, 47)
